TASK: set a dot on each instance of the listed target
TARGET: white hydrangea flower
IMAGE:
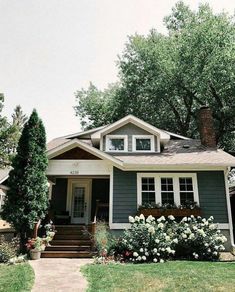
(211, 218)
(215, 253)
(184, 219)
(168, 249)
(191, 236)
(162, 218)
(139, 258)
(137, 218)
(167, 238)
(212, 226)
(160, 225)
(147, 254)
(206, 244)
(144, 258)
(135, 254)
(158, 254)
(151, 230)
(175, 240)
(184, 235)
(161, 261)
(155, 250)
(141, 249)
(131, 219)
(150, 219)
(187, 231)
(162, 249)
(157, 240)
(208, 250)
(195, 228)
(155, 260)
(171, 217)
(142, 217)
(196, 256)
(204, 220)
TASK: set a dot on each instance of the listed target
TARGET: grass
(172, 276)
(16, 278)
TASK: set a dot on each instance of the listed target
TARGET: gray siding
(59, 194)
(130, 130)
(212, 195)
(124, 195)
(211, 188)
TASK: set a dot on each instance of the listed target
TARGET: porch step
(68, 248)
(66, 254)
(59, 236)
(71, 242)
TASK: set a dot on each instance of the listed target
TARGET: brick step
(68, 248)
(71, 236)
(66, 254)
(70, 242)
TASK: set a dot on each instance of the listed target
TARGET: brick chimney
(206, 127)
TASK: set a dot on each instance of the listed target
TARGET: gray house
(129, 163)
(108, 172)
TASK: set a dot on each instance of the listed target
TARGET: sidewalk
(59, 274)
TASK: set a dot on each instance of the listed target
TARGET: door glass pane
(78, 202)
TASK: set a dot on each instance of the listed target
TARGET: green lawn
(172, 276)
(16, 278)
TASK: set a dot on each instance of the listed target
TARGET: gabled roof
(70, 144)
(164, 136)
(4, 174)
(83, 133)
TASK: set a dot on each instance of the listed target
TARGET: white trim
(230, 220)
(111, 197)
(77, 143)
(119, 225)
(136, 121)
(173, 167)
(4, 178)
(82, 133)
(110, 137)
(223, 226)
(175, 176)
(152, 143)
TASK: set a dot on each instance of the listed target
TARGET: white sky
(51, 48)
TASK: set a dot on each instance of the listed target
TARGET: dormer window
(116, 143)
(143, 143)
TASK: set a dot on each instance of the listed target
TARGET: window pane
(167, 184)
(148, 184)
(148, 197)
(116, 144)
(186, 184)
(143, 144)
(186, 196)
(168, 198)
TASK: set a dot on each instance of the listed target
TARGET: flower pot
(156, 212)
(35, 254)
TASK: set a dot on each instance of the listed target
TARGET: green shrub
(103, 239)
(150, 240)
(8, 250)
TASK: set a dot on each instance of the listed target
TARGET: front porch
(79, 199)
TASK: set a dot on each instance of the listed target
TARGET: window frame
(110, 137)
(152, 143)
(176, 186)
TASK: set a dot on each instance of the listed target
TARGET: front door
(80, 203)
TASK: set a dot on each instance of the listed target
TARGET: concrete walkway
(57, 275)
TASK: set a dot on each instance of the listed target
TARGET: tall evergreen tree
(27, 199)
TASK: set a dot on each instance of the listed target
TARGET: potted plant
(35, 246)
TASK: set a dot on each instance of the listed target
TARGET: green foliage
(8, 249)
(103, 239)
(9, 134)
(165, 79)
(26, 201)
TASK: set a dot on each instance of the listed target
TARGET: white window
(143, 143)
(148, 190)
(167, 188)
(116, 143)
(2, 198)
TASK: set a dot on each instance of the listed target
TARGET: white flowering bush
(199, 238)
(150, 240)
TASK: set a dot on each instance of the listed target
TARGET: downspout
(226, 172)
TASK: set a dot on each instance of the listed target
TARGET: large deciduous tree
(164, 79)
(27, 199)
